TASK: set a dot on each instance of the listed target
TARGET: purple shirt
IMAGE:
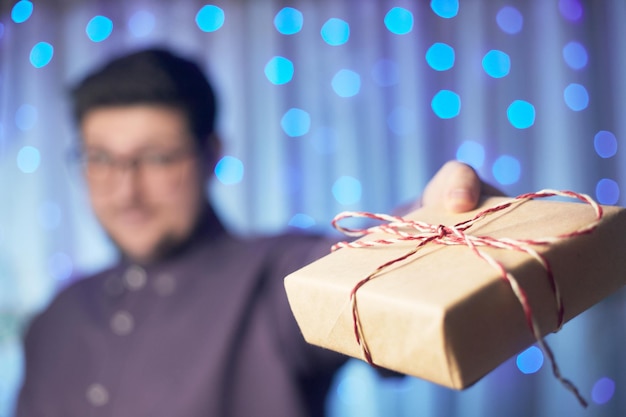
(205, 332)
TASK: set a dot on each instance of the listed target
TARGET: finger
(456, 187)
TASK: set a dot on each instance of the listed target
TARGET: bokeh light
(335, 32)
(607, 191)
(296, 122)
(530, 360)
(229, 170)
(288, 21)
(141, 23)
(26, 117)
(446, 104)
(301, 221)
(401, 121)
(1, 30)
(497, 63)
(386, 72)
(347, 190)
(576, 97)
(510, 20)
(351, 390)
(99, 28)
(279, 70)
(440, 56)
(60, 266)
(346, 83)
(521, 114)
(605, 144)
(41, 54)
(210, 18)
(603, 390)
(506, 170)
(399, 21)
(575, 55)
(28, 159)
(22, 11)
(471, 153)
(572, 10)
(445, 8)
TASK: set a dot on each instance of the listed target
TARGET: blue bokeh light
(530, 360)
(605, 144)
(507, 170)
(141, 23)
(49, 215)
(510, 20)
(302, 221)
(346, 83)
(352, 391)
(41, 54)
(603, 390)
(26, 117)
(521, 114)
(28, 159)
(607, 191)
(471, 153)
(576, 97)
(386, 72)
(347, 190)
(335, 32)
(440, 56)
(296, 122)
(399, 21)
(60, 266)
(446, 104)
(22, 11)
(279, 70)
(1, 30)
(401, 121)
(497, 63)
(99, 28)
(210, 18)
(572, 10)
(229, 170)
(575, 55)
(445, 8)
(288, 21)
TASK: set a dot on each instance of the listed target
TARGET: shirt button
(97, 395)
(135, 277)
(122, 323)
(164, 284)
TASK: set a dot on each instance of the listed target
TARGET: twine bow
(405, 230)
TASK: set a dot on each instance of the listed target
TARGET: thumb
(456, 187)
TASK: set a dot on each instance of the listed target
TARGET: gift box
(447, 315)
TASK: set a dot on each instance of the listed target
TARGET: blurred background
(332, 105)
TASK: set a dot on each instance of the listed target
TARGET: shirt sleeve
(288, 254)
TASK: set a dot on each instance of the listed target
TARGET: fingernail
(460, 194)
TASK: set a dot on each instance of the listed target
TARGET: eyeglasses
(103, 169)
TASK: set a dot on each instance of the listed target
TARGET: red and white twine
(405, 230)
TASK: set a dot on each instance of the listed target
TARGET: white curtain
(545, 109)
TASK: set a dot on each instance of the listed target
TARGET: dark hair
(152, 76)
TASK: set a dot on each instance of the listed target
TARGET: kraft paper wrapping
(446, 316)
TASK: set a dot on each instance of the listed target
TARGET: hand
(456, 187)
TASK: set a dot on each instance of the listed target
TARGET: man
(191, 321)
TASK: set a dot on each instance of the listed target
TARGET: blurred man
(191, 321)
